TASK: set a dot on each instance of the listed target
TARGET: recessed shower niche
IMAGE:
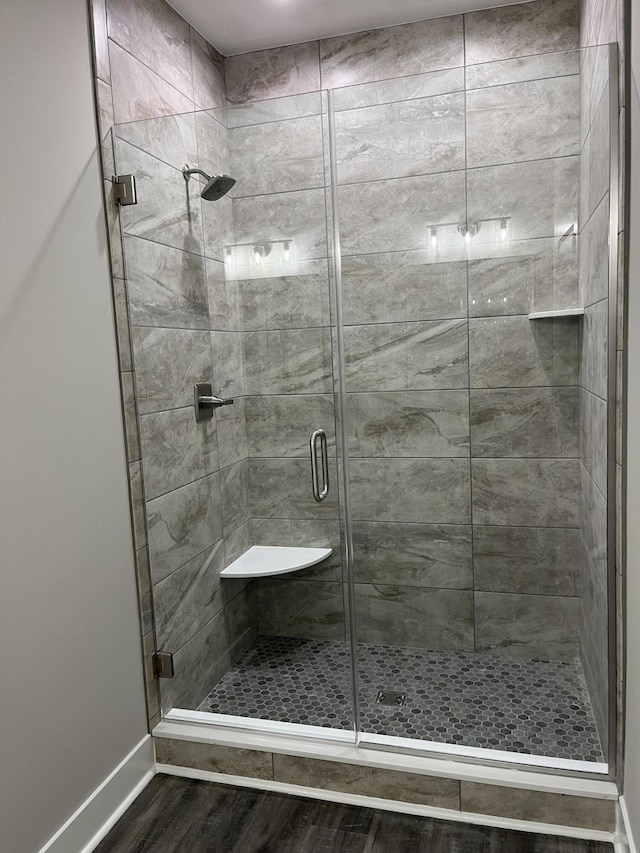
(400, 265)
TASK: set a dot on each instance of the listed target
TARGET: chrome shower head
(215, 187)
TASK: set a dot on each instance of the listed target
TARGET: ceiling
(240, 26)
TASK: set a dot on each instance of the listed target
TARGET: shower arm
(188, 172)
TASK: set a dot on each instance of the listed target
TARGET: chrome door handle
(324, 454)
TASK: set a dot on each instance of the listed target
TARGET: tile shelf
(561, 312)
(262, 561)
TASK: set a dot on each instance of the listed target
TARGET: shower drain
(391, 697)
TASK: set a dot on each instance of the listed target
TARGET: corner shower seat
(262, 561)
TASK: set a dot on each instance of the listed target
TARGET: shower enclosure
(423, 269)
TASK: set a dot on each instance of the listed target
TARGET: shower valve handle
(214, 402)
(205, 402)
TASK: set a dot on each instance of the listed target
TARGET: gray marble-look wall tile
(234, 486)
(150, 680)
(168, 364)
(538, 806)
(432, 491)
(593, 437)
(415, 137)
(305, 533)
(137, 506)
(122, 324)
(232, 433)
(521, 492)
(379, 54)
(520, 30)
(414, 617)
(599, 153)
(594, 641)
(171, 139)
(199, 665)
(524, 422)
(115, 235)
(182, 524)
(228, 367)
(367, 781)
(105, 108)
(100, 43)
(188, 598)
(213, 143)
(130, 417)
(145, 600)
(408, 423)
(421, 555)
(593, 525)
(540, 196)
(594, 255)
(517, 352)
(394, 215)
(138, 92)
(281, 488)
(153, 32)
(290, 70)
(389, 91)
(275, 109)
(523, 121)
(297, 608)
(521, 69)
(241, 614)
(402, 286)
(208, 73)
(527, 626)
(282, 425)
(224, 309)
(217, 226)
(167, 287)
(290, 361)
(277, 157)
(214, 758)
(294, 301)
(168, 209)
(407, 356)
(295, 216)
(236, 543)
(595, 341)
(176, 450)
(531, 275)
(535, 560)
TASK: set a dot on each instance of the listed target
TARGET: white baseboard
(92, 821)
(389, 805)
(624, 837)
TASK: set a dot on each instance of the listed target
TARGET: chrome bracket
(163, 665)
(124, 190)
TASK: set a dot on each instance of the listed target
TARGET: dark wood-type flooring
(174, 815)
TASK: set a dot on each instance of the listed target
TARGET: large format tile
(303, 533)
(536, 560)
(234, 487)
(275, 109)
(593, 525)
(593, 437)
(277, 157)
(408, 423)
(392, 52)
(138, 92)
(595, 356)
(171, 139)
(394, 215)
(282, 425)
(540, 197)
(291, 361)
(182, 524)
(228, 367)
(520, 30)
(274, 73)
(521, 492)
(208, 73)
(402, 286)
(367, 781)
(599, 153)
(153, 32)
(523, 121)
(224, 309)
(281, 488)
(294, 301)
(424, 555)
(167, 287)
(242, 620)
(515, 352)
(406, 356)
(188, 598)
(389, 91)
(524, 422)
(100, 43)
(594, 257)
(168, 209)
(415, 137)
(432, 491)
(299, 608)
(295, 216)
(521, 69)
(213, 143)
(168, 363)
(214, 758)
(217, 226)
(232, 433)
(414, 617)
(527, 626)
(176, 450)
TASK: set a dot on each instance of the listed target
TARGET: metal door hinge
(163, 665)
(124, 189)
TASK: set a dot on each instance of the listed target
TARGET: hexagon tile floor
(529, 706)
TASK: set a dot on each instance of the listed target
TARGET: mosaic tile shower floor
(528, 706)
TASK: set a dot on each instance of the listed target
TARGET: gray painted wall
(71, 673)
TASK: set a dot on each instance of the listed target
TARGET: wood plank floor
(174, 815)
